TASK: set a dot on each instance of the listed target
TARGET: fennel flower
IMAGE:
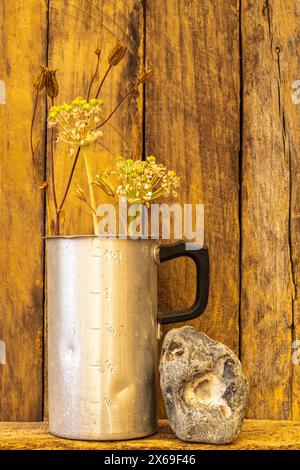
(77, 122)
(140, 181)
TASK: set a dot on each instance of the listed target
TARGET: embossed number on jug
(112, 256)
(109, 402)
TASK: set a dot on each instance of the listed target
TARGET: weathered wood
(192, 124)
(270, 207)
(256, 435)
(23, 44)
(76, 29)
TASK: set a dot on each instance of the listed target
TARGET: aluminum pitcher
(102, 332)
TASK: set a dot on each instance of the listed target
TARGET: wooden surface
(240, 158)
(256, 435)
(270, 208)
(22, 40)
(192, 124)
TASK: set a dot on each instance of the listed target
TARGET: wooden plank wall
(23, 46)
(192, 123)
(218, 109)
(270, 207)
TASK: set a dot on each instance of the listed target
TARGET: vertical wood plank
(270, 209)
(23, 45)
(192, 124)
(76, 28)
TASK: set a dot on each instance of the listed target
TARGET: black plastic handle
(201, 259)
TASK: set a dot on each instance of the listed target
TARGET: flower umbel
(140, 181)
(77, 121)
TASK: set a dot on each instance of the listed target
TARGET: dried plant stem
(93, 205)
(48, 219)
(53, 177)
(93, 77)
(70, 179)
(103, 80)
(60, 207)
(135, 86)
(90, 207)
(57, 211)
(31, 131)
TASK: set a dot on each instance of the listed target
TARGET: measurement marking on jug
(107, 293)
(111, 330)
(109, 256)
(113, 256)
(105, 366)
(95, 329)
(110, 366)
(109, 402)
(95, 292)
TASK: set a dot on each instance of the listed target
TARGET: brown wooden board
(255, 435)
(192, 124)
(270, 207)
(23, 45)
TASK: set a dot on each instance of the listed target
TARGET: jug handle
(201, 258)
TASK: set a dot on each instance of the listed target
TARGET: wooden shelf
(256, 434)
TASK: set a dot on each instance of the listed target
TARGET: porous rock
(204, 389)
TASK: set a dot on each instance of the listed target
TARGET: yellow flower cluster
(140, 181)
(77, 122)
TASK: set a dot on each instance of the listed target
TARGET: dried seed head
(143, 76)
(79, 193)
(51, 84)
(98, 51)
(116, 54)
(39, 81)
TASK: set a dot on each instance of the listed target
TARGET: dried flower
(46, 78)
(140, 181)
(79, 193)
(116, 54)
(51, 85)
(143, 76)
(39, 81)
(98, 51)
(77, 122)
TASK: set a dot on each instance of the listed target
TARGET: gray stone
(204, 389)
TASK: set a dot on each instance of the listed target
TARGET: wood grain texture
(22, 32)
(270, 207)
(76, 28)
(256, 435)
(192, 124)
